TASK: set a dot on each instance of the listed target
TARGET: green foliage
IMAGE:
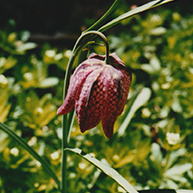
(14, 43)
(161, 57)
(155, 148)
(28, 107)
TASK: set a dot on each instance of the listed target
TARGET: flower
(98, 91)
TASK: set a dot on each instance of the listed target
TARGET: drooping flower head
(98, 91)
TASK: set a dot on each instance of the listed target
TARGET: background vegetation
(154, 149)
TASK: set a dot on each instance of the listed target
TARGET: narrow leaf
(178, 170)
(26, 46)
(132, 12)
(111, 10)
(174, 156)
(49, 82)
(31, 151)
(106, 169)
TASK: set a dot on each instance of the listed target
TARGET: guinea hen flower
(98, 91)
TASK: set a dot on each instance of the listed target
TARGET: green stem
(103, 37)
(64, 156)
(77, 47)
(65, 126)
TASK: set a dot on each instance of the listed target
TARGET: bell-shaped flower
(98, 91)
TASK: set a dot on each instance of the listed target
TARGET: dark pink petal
(76, 83)
(108, 124)
(86, 113)
(97, 100)
(114, 106)
(115, 60)
(124, 89)
(112, 97)
(117, 91)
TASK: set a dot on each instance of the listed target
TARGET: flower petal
(88, 106)
(124, 89)
(114, 107)
(108, 125)
(117, 87)
(115, 60)
(112, 97)
(98, 91)
(76, 84)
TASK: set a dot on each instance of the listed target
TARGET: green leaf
(26, 46)
(106, 169)
(177, 170)
(111, 10)
(174, 156)
(153, 67)
(6, 63)
(156, 156)
(132, 12)
(25, 36)
(45, 165)
(158, 31)
(49, 82)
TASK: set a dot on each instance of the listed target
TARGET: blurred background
(63, 20)
(152, 150)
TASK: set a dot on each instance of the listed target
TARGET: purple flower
(98, 91)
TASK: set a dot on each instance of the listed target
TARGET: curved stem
(65, 126)
(103, 37)
(77, 47)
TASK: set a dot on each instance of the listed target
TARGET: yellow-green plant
(88, 37)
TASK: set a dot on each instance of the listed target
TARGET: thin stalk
(103, 37)
(65, 126)
(80, 43)
(77, 47)
(64, 155)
